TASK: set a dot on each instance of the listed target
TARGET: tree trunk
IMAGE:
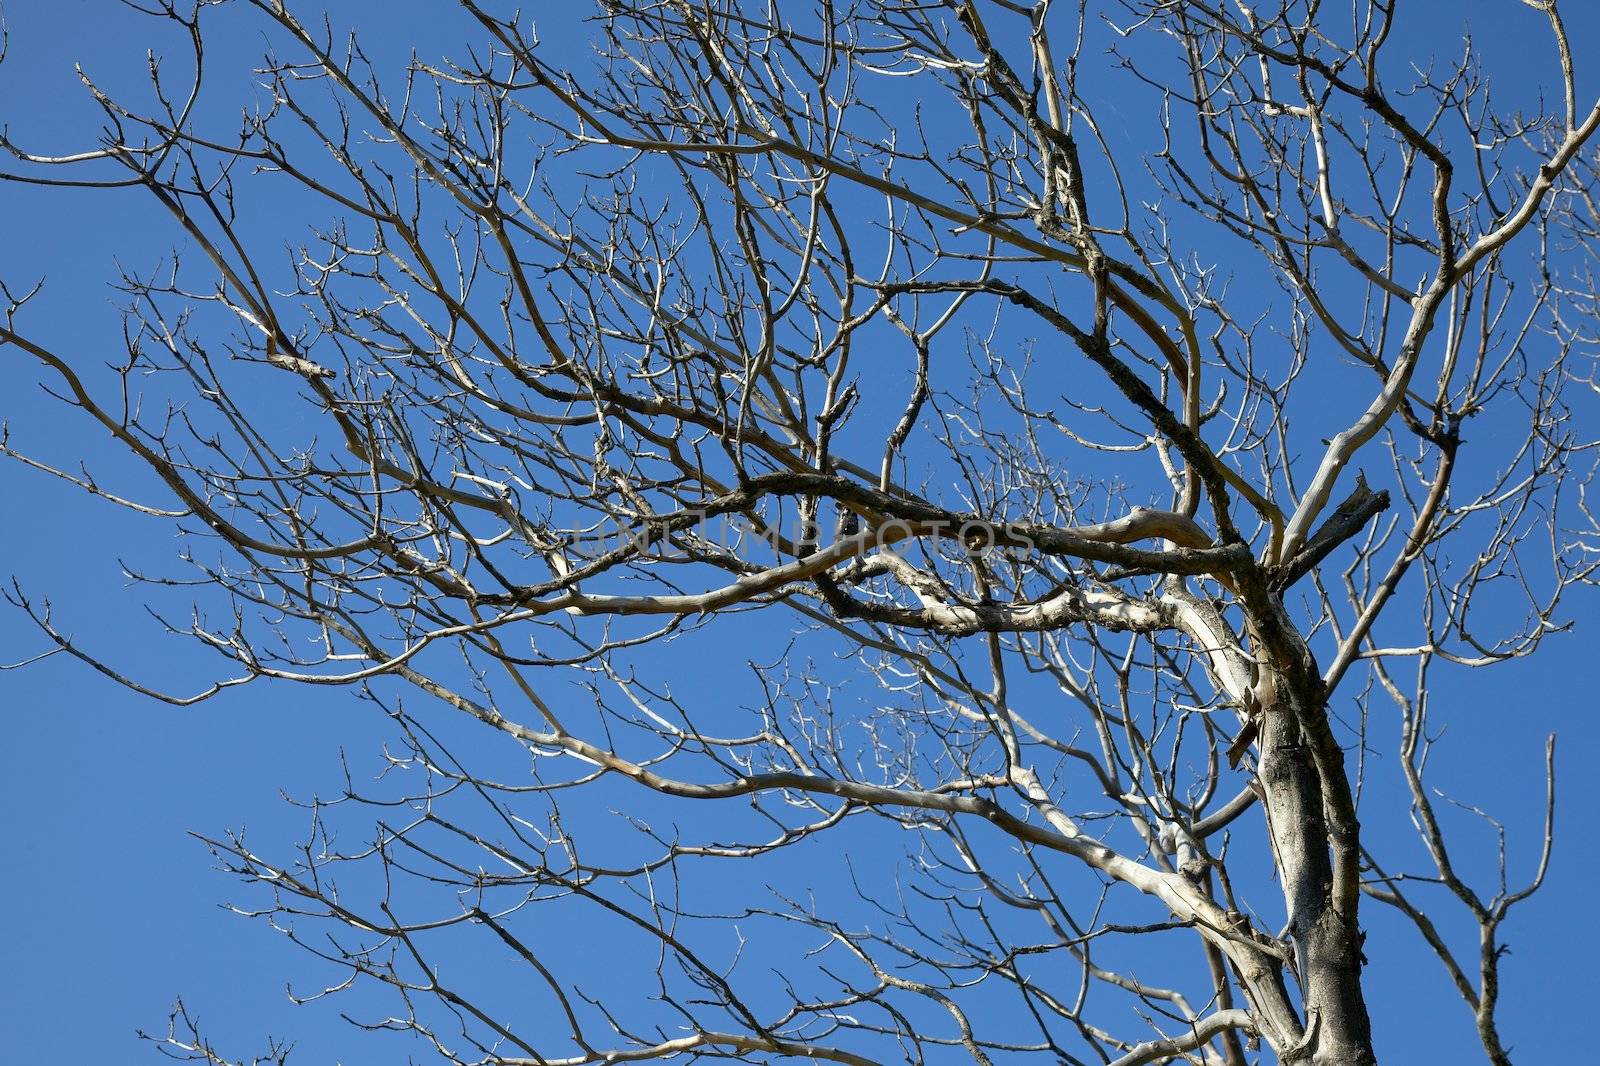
(1322, 921)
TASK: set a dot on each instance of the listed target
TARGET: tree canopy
(948, 514)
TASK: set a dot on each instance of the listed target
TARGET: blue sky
(111, 909)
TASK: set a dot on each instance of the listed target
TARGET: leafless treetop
(1007, 463)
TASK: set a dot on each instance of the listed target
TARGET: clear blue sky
(109, 910)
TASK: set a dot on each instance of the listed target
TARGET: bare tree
(967, 481)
